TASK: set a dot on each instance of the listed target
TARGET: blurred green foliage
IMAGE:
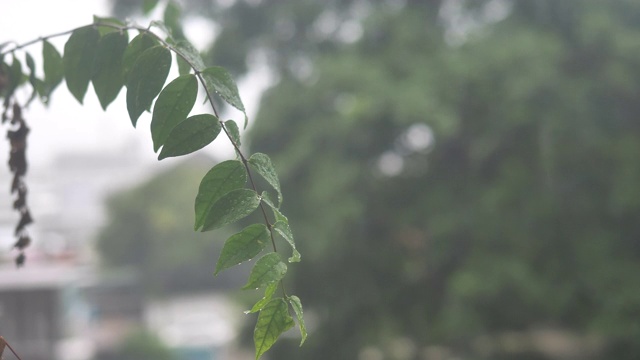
(142, 345)
(150, 230)
(458, 180)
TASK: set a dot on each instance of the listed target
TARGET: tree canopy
(454, 174)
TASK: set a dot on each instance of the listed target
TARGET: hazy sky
(67, 126)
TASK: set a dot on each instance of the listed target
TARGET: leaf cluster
(102, 54)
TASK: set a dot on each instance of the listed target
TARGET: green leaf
(284, 230)
(32, 76)
(233, 130)
(274, 319)
(268, 294)
(243, 246)
(187, 52)
(171, 17)
(30, 63)
(16, 71)
(183, 66)
(268, 269)
(53, 68)
(262, 164)
(146, 79)
(297, 308)
(104, 30)
(108, 76)
(276, 212)
(15, 77)
(172, 107)
(230, 208)
(41, 89)
(218, 79)
(192, 134)
(136, 47)
(165, 29)
(224, 177)
(148, 5)
(79, 53)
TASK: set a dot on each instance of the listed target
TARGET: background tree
(141, 346)
(456, 171)
(149, 230)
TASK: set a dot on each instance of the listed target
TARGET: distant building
(56, 312)
(60, 307)
(31, 310)
(196, 326)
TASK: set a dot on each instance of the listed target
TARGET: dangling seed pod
(18, 166)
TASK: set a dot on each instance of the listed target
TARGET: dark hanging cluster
(17, 135)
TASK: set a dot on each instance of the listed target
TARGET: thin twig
(5, 342)
(42, 38)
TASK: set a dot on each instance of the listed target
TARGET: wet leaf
(32, 76)
(262, 164)
(268, 294)
(136, 47)
(53, 68)
(233, 130)
(172, 107)
(297, 308)
(146, 79)
(276, 212)
(108, 76)
(192, 134)
(283, 229)
(243, 246)
(148, 5)
(116, 25)
(79, 54)
(160, 25)
(224, 177)
(15, 78)
(187, 52)
(230, 208)
(274, 319)
(219, 80)
(268, 269)
(171, 18)
(183, 66)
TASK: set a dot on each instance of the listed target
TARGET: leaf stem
(31, 42)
